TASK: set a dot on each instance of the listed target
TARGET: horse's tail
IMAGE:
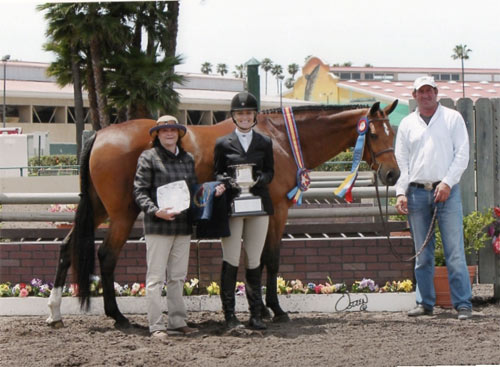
(83, 241)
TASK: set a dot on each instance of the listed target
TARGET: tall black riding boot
(254, 297)
(228, 285)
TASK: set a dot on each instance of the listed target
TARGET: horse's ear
(388, 109)
(374, 108)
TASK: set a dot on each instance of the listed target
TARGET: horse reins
(374, 156)
(433, 220)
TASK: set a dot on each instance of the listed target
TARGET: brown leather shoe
(183, 330)
(420, 311)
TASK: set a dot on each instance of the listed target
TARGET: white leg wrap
(55, 305)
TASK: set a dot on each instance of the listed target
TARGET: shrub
(341, 157)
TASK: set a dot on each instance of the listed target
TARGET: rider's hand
(219, 189)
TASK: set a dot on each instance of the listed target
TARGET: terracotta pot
(443, 297)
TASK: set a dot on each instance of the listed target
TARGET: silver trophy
(245, 203)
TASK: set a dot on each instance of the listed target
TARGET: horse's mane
(334, 108)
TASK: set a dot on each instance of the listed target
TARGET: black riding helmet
(244, 101)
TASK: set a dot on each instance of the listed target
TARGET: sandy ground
(342, 339)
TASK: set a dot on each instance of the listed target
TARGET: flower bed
(365, 295)
(37, 288)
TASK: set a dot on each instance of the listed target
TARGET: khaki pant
(172, 253)
(253, 231)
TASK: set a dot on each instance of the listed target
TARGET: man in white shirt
(432, 150)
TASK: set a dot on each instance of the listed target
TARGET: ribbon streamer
(303, 179)
(345, 188)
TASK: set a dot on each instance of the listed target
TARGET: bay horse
(108, 167)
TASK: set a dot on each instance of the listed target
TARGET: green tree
(293, 69)
(266, 64)
(114, 60)
(65, 42)
(240, 71)
(289, 83)
(461, 52)
(206, 67)
(277, 71)
(141, 77)
(222, 69)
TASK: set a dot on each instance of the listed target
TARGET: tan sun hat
(167, 121)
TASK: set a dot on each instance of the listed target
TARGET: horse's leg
(54, 303)
(108, 253)
(271, 260)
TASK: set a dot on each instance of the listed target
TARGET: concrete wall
(35, 184)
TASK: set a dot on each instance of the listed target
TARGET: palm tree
(240, 71)
(222, 69)
(206, 67)
(149, 78)
(293, 69)
(110, 38)
(461, 52)
(65, 42)
(277, 71)
(289, 83)
(141, 79)
(266, 65)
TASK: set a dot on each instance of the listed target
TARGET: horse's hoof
(123, 324)
(56, 324)
(281, 318)
(265, 314)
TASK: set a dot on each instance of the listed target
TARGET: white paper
(173, 195)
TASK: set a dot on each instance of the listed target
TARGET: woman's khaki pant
(253, 231)
(171, 254)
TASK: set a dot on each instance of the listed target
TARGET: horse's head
(379, 150)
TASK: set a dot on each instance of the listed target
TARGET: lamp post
(281, 77)
(4, 59)
(327, 95)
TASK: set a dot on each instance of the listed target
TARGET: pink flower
(23, 292)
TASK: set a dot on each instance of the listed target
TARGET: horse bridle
(374, 155)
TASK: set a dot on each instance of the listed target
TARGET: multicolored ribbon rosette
(303, 179)
(345, 188)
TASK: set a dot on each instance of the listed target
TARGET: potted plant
(475, 237)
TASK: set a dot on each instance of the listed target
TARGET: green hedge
(341, 157)
(53, 160)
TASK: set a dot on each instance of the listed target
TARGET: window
(356, 76)
(369, 76)
(193, 117)
(345, 76)
(44, 114)
(220, 116)
(383, 76)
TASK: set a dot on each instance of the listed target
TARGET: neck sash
(303, 179)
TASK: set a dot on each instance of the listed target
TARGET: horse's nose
(391, 177)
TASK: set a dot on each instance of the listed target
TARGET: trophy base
(247, 206)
